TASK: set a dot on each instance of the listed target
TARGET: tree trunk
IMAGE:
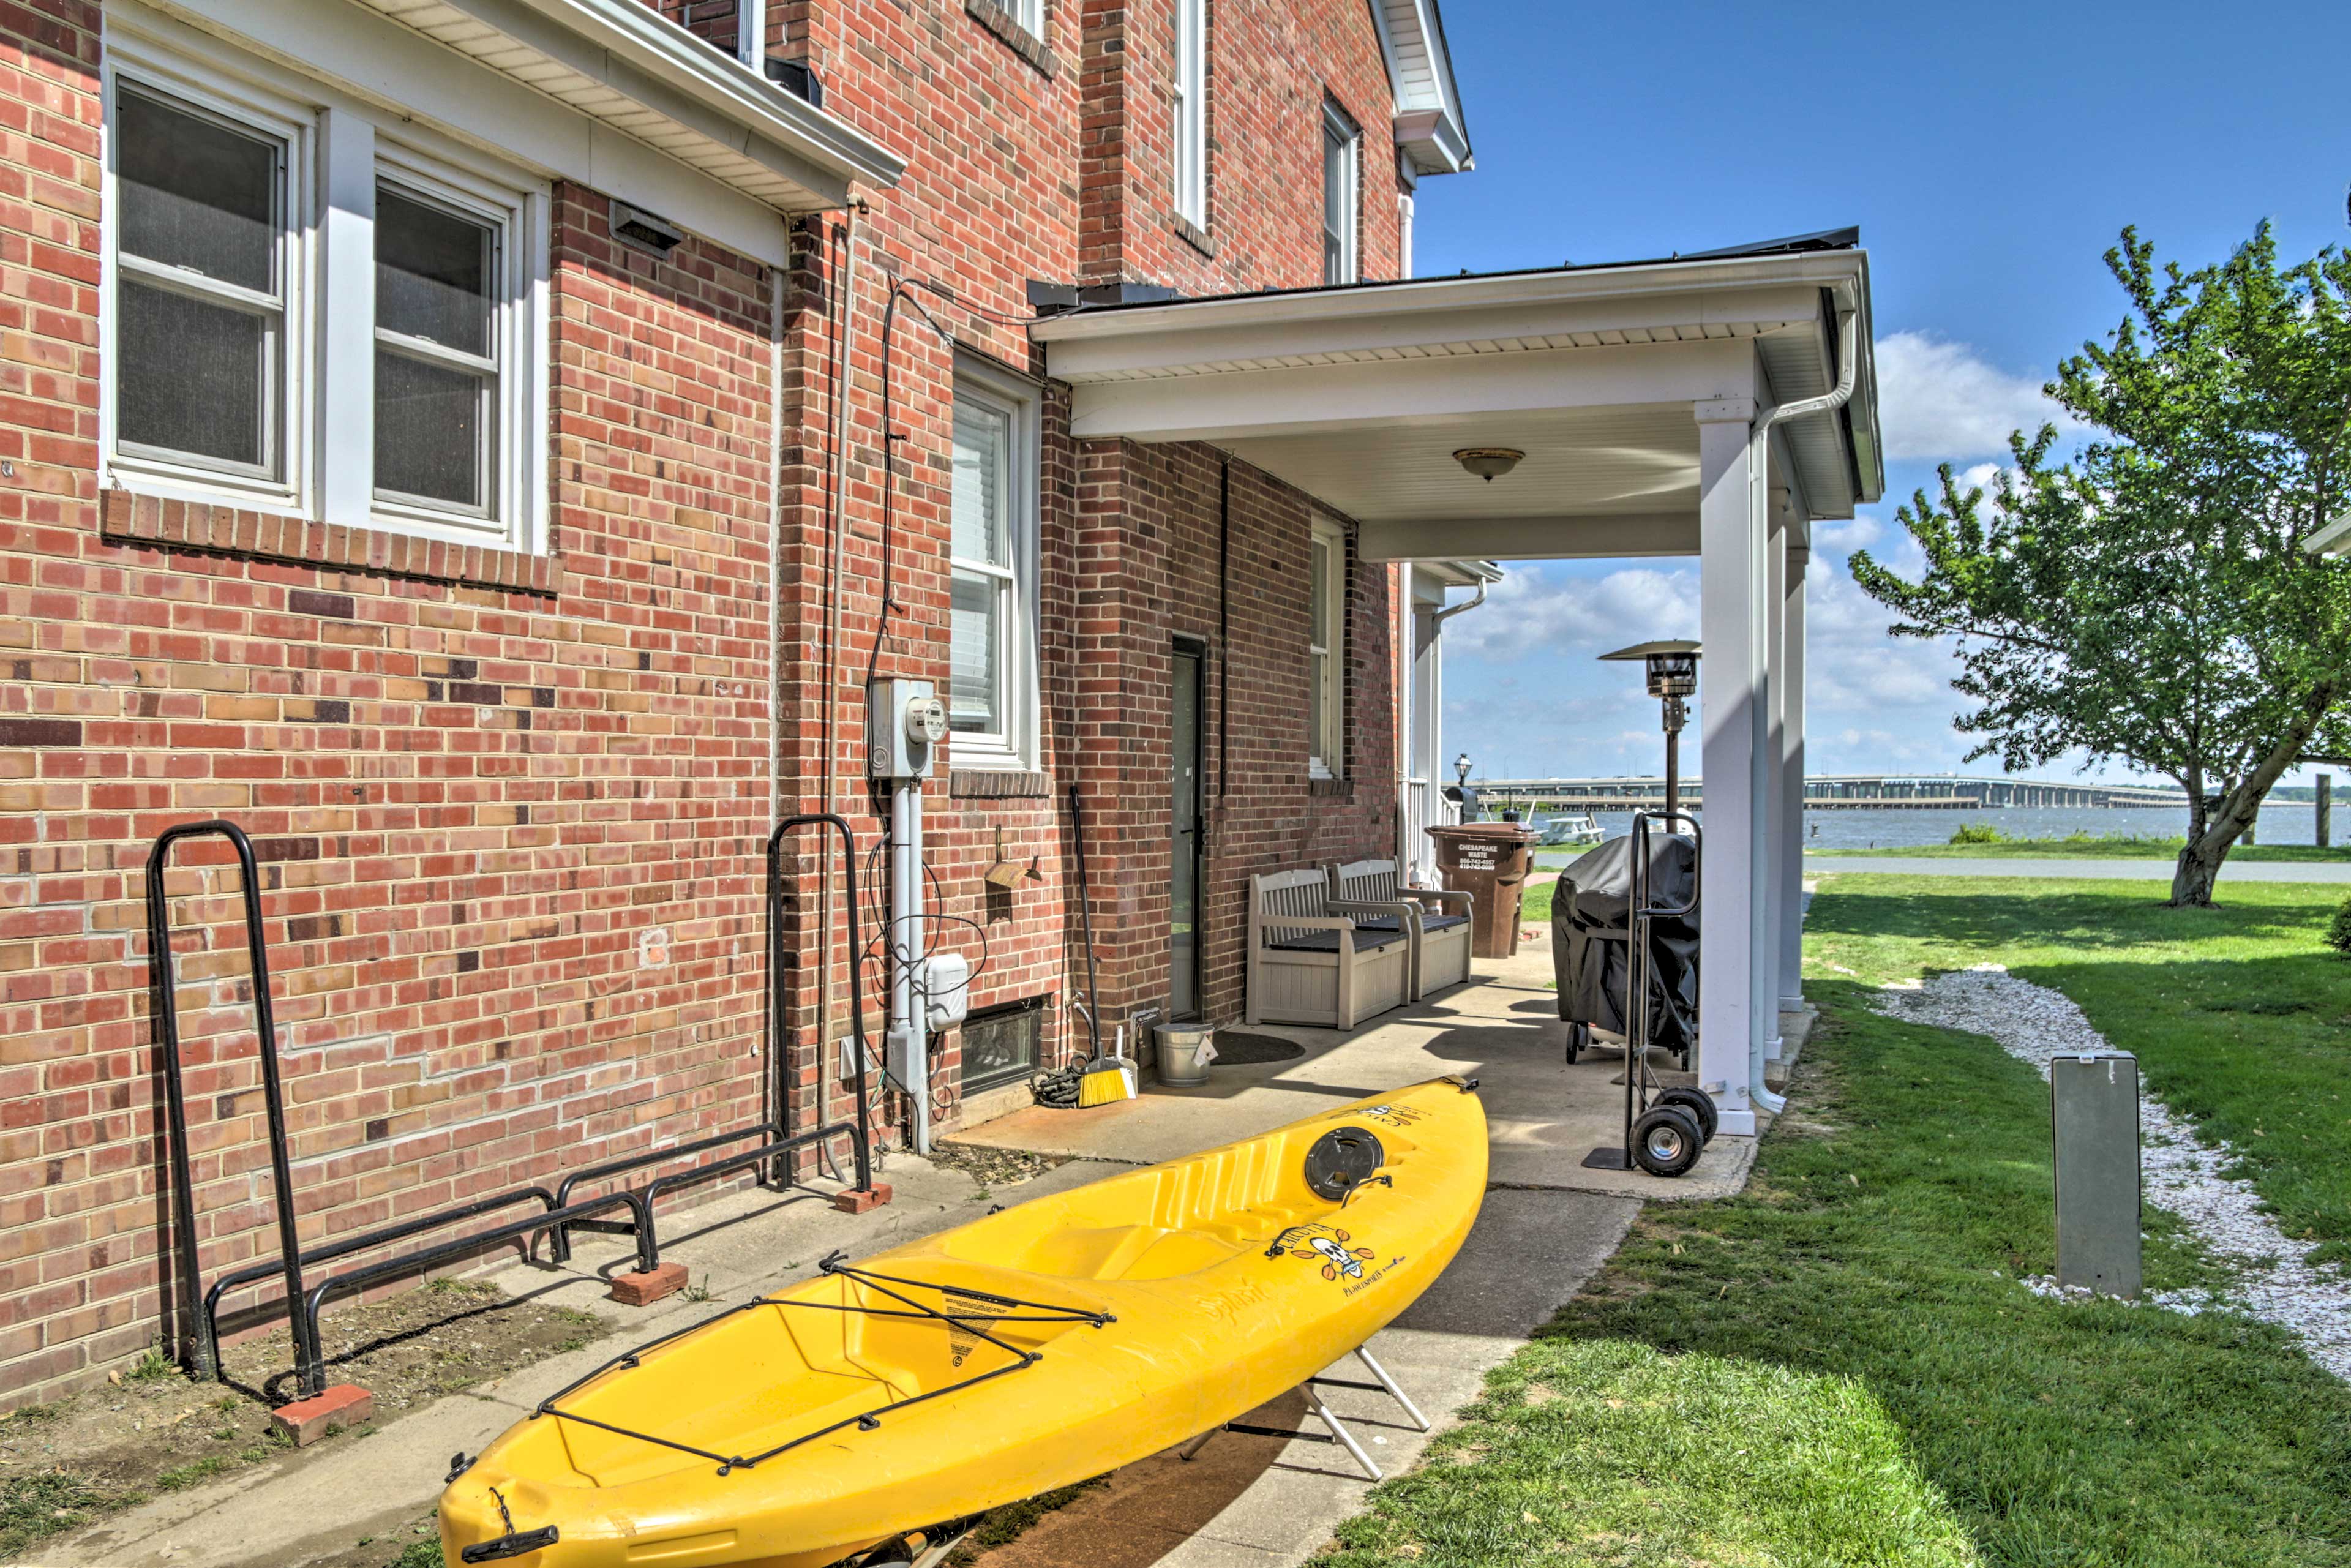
(2198, 866)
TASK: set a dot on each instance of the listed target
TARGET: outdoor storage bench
(1307, 965)
(1438, 942)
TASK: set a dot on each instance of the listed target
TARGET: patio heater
(1672, 669)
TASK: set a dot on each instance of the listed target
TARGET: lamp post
(1461, 793)
(1672, 670)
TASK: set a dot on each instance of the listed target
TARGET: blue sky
(1990, 153)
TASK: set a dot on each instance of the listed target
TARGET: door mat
(1239, 1047)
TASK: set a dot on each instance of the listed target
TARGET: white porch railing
(1419, 808)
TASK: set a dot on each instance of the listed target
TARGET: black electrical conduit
(201, 1351)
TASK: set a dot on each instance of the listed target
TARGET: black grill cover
(1592, 968)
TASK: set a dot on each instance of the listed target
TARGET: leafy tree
(2151, 599)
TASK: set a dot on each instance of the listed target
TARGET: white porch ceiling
(1359, 396)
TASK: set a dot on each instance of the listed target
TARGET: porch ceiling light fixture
(1489, 463)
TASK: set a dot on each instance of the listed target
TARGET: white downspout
(909, 1049)
(1759, 458)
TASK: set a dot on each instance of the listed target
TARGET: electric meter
(926, 721)
(904, 722)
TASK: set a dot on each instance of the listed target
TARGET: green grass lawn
(2116, 849)
(2239, 1017)
(1840, 1366)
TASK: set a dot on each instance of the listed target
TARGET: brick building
(484, 448)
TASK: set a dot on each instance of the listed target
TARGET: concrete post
(1730, 704)
(1791, 764)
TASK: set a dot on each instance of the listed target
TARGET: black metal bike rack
(198, 1352)
(559, 1213)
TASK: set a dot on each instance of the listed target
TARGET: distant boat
(1570, 827)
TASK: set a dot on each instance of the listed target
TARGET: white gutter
(1440, 617)
(1759, 458)
(2334, 538)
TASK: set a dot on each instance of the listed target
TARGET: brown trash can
(1487, 861)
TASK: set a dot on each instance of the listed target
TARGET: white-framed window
(1191, 116)
(1342, 147)
(1326, 649)
(992, 555)
(1029, 13)
(207, 217)
(313, 309)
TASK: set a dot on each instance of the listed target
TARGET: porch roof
(1360, 395)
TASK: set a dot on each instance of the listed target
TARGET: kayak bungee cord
(834, 1264)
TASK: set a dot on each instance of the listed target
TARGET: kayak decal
(1326, 1245)
(1396, 1115)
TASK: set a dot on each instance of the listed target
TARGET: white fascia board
(1427, 123)
(635, 35)
(1687, 292)
(2334, 539)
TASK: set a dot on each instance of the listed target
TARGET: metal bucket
(1185, 1052)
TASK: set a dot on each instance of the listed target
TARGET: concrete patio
(1501, 1028)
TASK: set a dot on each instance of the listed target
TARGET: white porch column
(1731, 583)
(1774, 858)
(1792, 766)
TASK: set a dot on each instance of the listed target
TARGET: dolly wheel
(1665, 1141)
(1578, 1042)
(1700, 1104)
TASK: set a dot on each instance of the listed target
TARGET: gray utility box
(2094, 1117)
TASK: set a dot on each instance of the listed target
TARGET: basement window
(1002, 1045)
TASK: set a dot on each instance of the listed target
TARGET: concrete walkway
(1547, 1224)
(319, 1501)
(2089, 869)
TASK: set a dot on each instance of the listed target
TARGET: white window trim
(290, 487)
(1029, 13)
(1191, 113)
(337, 148)
(1326, 753)
(1014, 748)
(1336, 123)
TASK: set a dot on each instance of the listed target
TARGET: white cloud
(1545, 610)
(1858, 532)
(1943, 403)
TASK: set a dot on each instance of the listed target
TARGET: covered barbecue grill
(1592, 936)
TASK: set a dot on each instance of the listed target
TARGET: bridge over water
(1930, 791)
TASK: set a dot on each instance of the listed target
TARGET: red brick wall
(471, 803)
(475, 798)
(1271, 69)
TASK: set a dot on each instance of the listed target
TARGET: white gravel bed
(2275, 1279)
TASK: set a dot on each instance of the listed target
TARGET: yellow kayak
(1025, 1351)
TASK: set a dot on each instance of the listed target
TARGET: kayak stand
(1320, 1408)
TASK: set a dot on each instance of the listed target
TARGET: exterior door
(1185, 838)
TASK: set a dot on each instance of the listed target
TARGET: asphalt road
(2103, 870)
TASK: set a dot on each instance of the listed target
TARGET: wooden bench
(1438, 942)
(1307, 965)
